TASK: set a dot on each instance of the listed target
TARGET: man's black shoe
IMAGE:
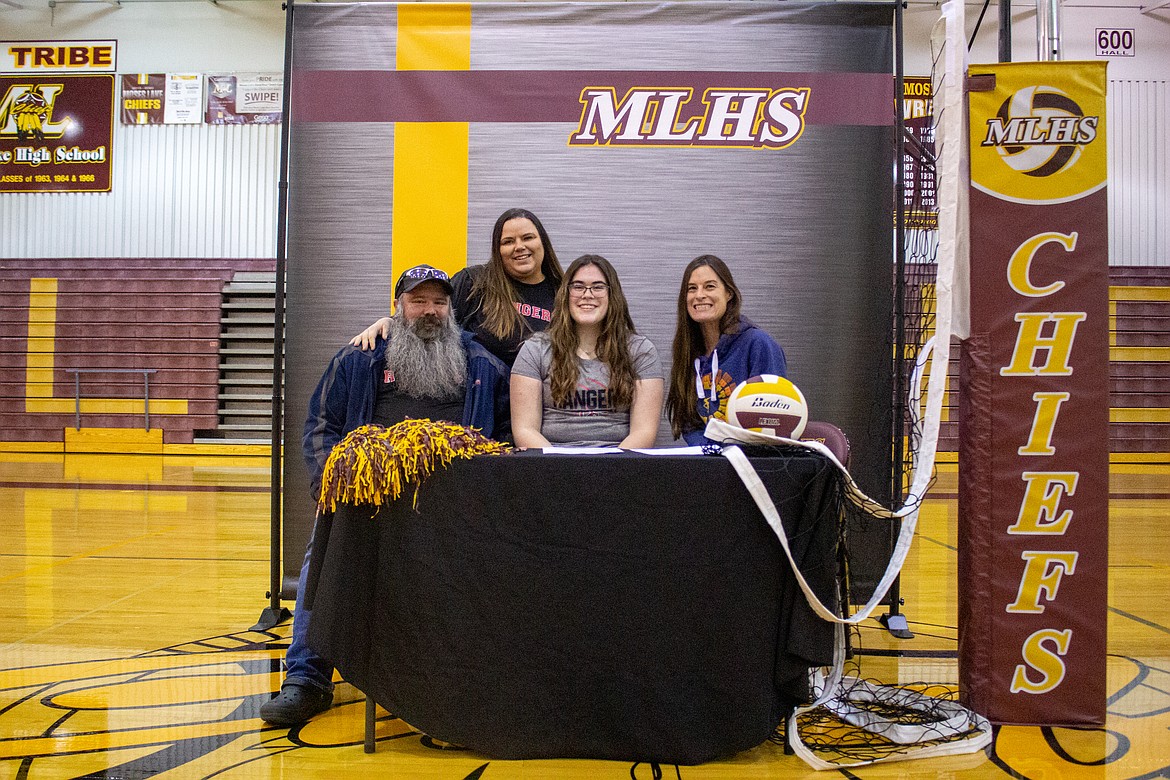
(295, 704)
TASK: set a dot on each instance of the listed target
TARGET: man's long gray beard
(427, 357)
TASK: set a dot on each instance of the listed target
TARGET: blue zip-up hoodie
(348, 390)
(748, 352)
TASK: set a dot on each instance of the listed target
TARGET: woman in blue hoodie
(715, 348)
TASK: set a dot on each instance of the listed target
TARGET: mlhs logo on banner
(743, 118)
(1039, 131)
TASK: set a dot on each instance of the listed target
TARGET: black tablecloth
(629, 607)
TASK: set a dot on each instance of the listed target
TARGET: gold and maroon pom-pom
(375, 464)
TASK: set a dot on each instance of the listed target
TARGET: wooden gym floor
(128, 585)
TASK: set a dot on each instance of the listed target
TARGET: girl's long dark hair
(688, 344)
(613, 344)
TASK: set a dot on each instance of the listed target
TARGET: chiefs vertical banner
(1034, 417)
(56, 133)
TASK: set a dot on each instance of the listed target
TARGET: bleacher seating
(1139, 367)
(161, 313)
(165, 314)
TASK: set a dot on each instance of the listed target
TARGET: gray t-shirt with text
(589, 419)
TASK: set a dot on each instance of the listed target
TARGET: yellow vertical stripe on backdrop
(42, 331)
(430, 158)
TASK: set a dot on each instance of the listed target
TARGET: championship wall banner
(244, 98)
(56, 133)
(161, 99)
(647, 132)
(921, 204)
(1034, 424)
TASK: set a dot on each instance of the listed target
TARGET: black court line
(1143, 621)
(146, 488)
(909, 653)
(936, 541)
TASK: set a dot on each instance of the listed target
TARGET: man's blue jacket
(345, 398)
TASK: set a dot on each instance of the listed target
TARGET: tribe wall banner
(161, 99)
(649, 133)
(56, 133)
(73, 57)
(1034, 457)
(244, 98)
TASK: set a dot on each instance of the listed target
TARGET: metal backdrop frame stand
(894, 620)
(275, 614)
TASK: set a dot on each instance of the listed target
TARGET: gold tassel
(375, 464)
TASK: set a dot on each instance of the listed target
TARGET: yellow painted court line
(1140, 354)
(1155, 462)
(87, 554)
(104, 406)
(39, 447)
(1138, 415)
(1140, 463)
(114, 667)
(16, 451)
(1140, 457)
(40, 359)
(1139, 293)
(429, 222)
(42, 327)
(218, 450)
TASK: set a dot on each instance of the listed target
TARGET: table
(628, 607)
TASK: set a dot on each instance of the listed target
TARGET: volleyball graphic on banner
(768, 404)
(1053, 135)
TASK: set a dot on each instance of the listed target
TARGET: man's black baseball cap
(413, 277)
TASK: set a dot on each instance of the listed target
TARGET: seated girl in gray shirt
(590, 379)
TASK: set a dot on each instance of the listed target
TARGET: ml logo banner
(56, 133)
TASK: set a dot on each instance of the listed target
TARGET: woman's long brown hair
(688, 345)
(613, 343)
(496, 289)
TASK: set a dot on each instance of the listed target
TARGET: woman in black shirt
(509, 298)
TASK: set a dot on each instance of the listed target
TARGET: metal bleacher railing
(146, 372)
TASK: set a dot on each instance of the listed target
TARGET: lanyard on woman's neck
(713, 404)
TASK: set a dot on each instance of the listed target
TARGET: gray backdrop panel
(806, 230)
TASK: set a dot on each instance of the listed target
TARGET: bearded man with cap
(426, 368)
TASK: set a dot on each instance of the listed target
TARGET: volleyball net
(852, 720)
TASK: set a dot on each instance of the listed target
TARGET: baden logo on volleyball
(1040, 131)
(768, 404)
